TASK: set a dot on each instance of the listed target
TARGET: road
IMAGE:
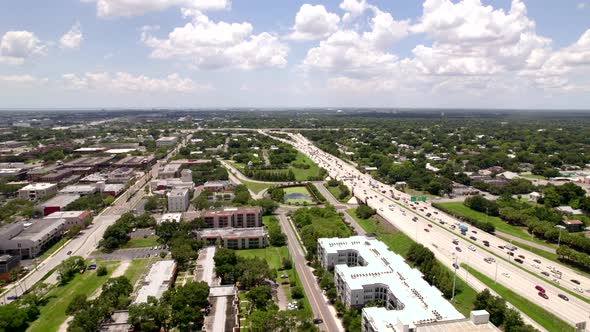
(87, 241)
(522, 277)
(319, 306)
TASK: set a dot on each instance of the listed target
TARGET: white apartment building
(366, 271)
(35, 191)
(178, 200)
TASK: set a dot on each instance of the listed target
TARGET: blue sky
(265, 53)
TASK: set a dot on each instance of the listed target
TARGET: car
(426, 230)
(537, 261)
(458, 249)
(563, 297)
(540, 289)
(452, 226)
(577, 282)
(69, 253)
(545, 273)
(472, 248)
(518, 260)
(510, 253)
(317, 321)
(506, 274)
(473, 238)
(486, 243)
(455, 265)
(455, 241)
(521, 256)
(543, 295)
(474, 232)
(92, 266)
(442, 222)
(501, 247)
(284, 276)
(579, 290)
(430, 225)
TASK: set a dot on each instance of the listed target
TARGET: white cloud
(473, 39)
(359, 53)
(23, 79)
(214, 45)
(73, 38)
(314, 22)
(353, 8)
(128, 8)
(126, 82)
(18, 46)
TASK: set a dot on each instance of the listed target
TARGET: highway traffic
(439, 231)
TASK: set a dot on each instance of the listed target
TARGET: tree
(364, 212)
(259, 296)
(268, 205)
(75, 230)
(151, 204)
(297, 292)
(185, 303)
(102, 271)
(78, 303)
(69, 268)
(277, 194)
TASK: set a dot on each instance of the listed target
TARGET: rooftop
(157, 281)
(39, 229)
(421, 301)
(68, 214)
(178, 192)
(232, 210)
(170, 217)
(60, 200)
(38, 186)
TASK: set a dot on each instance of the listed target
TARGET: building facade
(29, 239)
(236, 217)
(35, 191)
(178, 200)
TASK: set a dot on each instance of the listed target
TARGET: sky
(289, 53)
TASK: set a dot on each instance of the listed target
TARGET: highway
(319, 305)
(439, 237)
(87, 241)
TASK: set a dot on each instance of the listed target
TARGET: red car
(540, 289)
(543, 295)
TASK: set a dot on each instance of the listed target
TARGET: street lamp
(559, 238)
(454, 275)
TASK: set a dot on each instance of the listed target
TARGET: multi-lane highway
(429, 231)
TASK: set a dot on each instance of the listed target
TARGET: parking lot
(129, 254)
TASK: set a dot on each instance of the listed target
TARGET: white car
(472, 248)
(579, 290)
(506, 274)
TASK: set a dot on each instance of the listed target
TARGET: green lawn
(257, 187)
(330, 225)
(53, 314)
(532, 176)
(400, 243)
(142, 242)
(274, 256)
(135, 270)
(304, 174)
(535, 312)
(460, 209)
(335, 191)
(298, 190)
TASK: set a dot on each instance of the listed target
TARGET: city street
(319, 305)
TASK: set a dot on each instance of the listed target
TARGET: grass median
(535, 312)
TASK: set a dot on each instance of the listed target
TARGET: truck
(463, 229)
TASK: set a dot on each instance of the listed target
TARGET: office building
(169, 171)
(136, 162)
(160, 277)
(366, 271)
(71, 218)
(121, 175)
(178, 200)
(29, 239)
(57, 203)
(35, 191)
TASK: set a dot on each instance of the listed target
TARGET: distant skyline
(265, 53)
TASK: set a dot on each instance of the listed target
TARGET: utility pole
(454, 276)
